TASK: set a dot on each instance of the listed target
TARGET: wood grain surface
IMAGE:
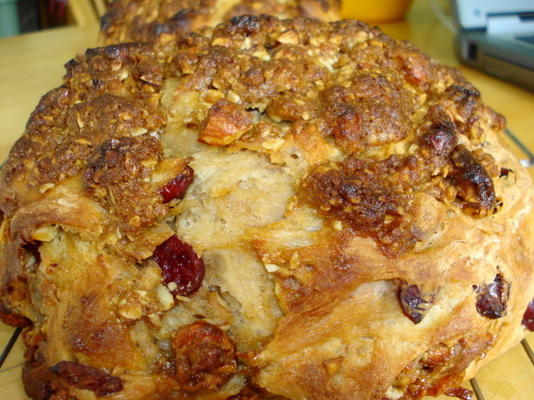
(32, 64)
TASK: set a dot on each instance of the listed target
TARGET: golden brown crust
(144, 20)
(362, 230)
(117, 174)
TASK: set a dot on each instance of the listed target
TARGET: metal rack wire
(9, 346)
(479, 393)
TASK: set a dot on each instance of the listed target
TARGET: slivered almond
(226, 122)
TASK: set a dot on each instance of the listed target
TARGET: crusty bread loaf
(263, 209)
(143, 20)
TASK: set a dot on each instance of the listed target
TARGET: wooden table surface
(32, 64)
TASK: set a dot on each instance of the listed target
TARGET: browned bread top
(143, 20)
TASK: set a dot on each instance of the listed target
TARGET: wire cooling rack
(479, 391)
(10, 347)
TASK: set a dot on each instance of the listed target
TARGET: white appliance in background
(497, 37)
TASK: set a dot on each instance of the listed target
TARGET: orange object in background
(375, 10)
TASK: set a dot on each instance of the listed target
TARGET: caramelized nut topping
(205, 357)
(226, 122)
(88, 378)
(361, 193)
(475, 187)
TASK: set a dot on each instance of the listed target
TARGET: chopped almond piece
(226, 122)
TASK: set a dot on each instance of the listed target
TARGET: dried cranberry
(441, 138)
(180, 265)
(413, 305)
(460, 393)
(85, 377)
(492, 298)
(177, 188)
(504, 172)
(528, 317)
(8, 317)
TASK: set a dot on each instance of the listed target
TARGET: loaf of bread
(264, 209)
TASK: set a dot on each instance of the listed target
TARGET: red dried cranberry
(492, 298)
(505, 172)
(413, 305)
(180, 265)
(441, 138)
(8, 317)
(460, 393)
(528, 317)
(85, 377)
(177, 188)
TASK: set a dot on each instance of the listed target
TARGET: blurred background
(24, 16)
